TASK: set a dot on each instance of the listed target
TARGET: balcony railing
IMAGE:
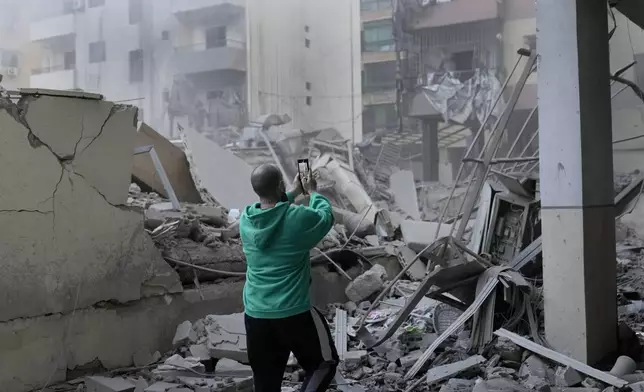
(52, 68)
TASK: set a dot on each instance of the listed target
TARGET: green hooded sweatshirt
(277, 242)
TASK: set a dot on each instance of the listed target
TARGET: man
(277, 237)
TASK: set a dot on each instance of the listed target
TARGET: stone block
(508, 350)
(366, 284)
(105, 384)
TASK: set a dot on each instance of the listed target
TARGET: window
(379, 76)
(307, 43)
(70, 60)
(9, 58)
(307, 28)
(165, 35)
(95, 3)
(375, 5)
(136, 11)
(216, 37)
(97, 52)
(136, 66)
(309, 100)
(308, 86)
(379, 36)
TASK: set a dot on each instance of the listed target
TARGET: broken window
(216, 37)
(95, 3)
(136, 11)
(97, 52)
(136, 66)
(308, 86)
(379, 36)
(375, 5)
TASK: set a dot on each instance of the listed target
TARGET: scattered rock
(458, 385)
(228, 367)
(508, 350)
(105, 384)
(567, 377)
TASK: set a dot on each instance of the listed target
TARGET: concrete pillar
(578, 216)
(431, 158)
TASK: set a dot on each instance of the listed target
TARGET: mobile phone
(303, 169)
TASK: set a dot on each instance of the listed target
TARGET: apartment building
(15, 59)
(213, 63)
(378, 65)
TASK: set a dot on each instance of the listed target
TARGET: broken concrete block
(499, 372)
(200, 351)
(161, 387)
(444, 372)
(565, 376)
(105, 384)
(366, 284)
(508, 350)
(458, 385)
(535, 366)
(227, 337)
(354, 359)
(410, 359)
(418, 234)
(230, 368)
(637, 387)
(214, 216)
(182, 335)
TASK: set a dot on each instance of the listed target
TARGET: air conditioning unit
(12, 72)
(79, 5)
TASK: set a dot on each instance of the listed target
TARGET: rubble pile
(198, 240)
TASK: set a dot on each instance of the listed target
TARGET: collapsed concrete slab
(174, 163)
(68, 242)
(218, 171)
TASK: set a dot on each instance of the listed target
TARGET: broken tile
(106, 384)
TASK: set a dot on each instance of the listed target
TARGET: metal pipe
(523, 128)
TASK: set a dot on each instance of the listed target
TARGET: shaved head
(267, 182)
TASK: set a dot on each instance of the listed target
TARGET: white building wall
(280, 64)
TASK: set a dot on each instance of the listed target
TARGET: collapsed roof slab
(68, 242)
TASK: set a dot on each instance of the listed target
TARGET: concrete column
(431, 158)
(578, 216)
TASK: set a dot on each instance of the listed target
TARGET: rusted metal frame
(429, 248)
(498, 130)
(520, 134)
(471, 147)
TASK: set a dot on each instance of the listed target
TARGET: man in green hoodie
(277, 237)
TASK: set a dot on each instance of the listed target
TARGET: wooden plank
(562, 359)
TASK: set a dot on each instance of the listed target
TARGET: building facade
(217, 63)
(15, 57)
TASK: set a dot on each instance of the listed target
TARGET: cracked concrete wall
(68, 242)
(37, 352)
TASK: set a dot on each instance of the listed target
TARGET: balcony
(52, 27)
(198, 58)
(54, 78)
(211, 12)
(456, 12)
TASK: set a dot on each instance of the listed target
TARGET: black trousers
(307, 335)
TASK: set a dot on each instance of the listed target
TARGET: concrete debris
(182, 336)
(226, 337)
(367, 284)
(104, 384)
